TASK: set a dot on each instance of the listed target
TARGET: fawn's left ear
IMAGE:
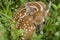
(49, 7)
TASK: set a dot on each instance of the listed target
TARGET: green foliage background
(51, 27)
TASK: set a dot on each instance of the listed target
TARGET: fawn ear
(48, 9)
(29, 9)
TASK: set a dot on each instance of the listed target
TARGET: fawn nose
(37, 29)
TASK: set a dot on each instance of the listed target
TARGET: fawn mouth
(38, 27)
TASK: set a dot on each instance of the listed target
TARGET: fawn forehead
(37, 8)
(39, 5)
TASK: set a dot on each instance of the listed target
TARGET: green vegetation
(7, 9)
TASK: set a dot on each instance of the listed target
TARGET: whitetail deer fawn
(30, 17)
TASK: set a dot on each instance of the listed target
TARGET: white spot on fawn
(24, 28)
(20, 14)
(23, 38)
(29, 29)
(24, 24)
(23, 15)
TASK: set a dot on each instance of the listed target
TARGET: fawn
(30, 17)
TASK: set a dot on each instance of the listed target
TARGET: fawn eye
(43, 23)
(34, 8)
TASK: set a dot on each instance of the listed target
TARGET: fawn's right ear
(28, 8)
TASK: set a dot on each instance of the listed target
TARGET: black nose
(43, 23)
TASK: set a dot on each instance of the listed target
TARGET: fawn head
(38, 11)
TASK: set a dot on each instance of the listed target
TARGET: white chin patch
(43, 20)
